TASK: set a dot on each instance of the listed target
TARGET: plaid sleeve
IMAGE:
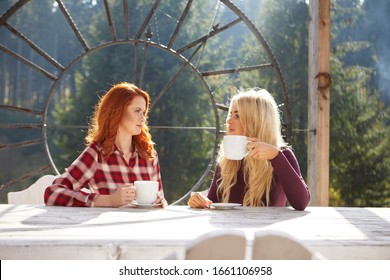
(156, 171)
(66, 190)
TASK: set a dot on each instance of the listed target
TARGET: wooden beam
(319, 101)
(312, 100)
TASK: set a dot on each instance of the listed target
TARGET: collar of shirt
(116, 149)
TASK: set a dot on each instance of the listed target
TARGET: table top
(51, 232)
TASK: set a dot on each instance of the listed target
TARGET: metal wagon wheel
(146, 39)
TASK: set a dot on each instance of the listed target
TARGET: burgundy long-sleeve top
(287, 184)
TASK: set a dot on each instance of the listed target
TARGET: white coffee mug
(234, 146)
(145, 191)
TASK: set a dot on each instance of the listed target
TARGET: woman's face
(233, 123)
(133, 117)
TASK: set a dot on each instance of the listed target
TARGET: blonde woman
(269, 175)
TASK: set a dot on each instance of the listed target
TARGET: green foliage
(358, 128)
(184, 154)
(359, 164)
(360, 158)
(282, 26)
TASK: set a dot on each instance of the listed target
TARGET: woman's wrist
(275, 152)
(103, 201)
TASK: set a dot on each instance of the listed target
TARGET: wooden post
(319, 101)
(312, 100)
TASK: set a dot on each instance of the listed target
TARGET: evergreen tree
(283, 26)
(184, 153)
(360, 159)
(373, 27)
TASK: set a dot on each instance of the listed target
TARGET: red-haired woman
(119, 151)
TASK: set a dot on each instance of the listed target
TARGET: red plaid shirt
(102, 176)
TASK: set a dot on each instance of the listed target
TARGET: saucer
(225, 206)
(140, 205)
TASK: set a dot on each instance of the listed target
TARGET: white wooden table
(41, 232)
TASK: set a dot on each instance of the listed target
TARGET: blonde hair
(259, 117)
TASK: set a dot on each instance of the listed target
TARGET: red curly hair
(108, 114)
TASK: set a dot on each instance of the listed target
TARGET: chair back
(277, 245)
(33, 194)
(217, 245)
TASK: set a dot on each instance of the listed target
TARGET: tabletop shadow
(374, 227)
(258, 218)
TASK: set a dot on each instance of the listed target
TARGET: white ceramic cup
(145, 191)
(234, 146)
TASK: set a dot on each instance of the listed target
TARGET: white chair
(277, 245)
(217, 245)
(33, 194)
